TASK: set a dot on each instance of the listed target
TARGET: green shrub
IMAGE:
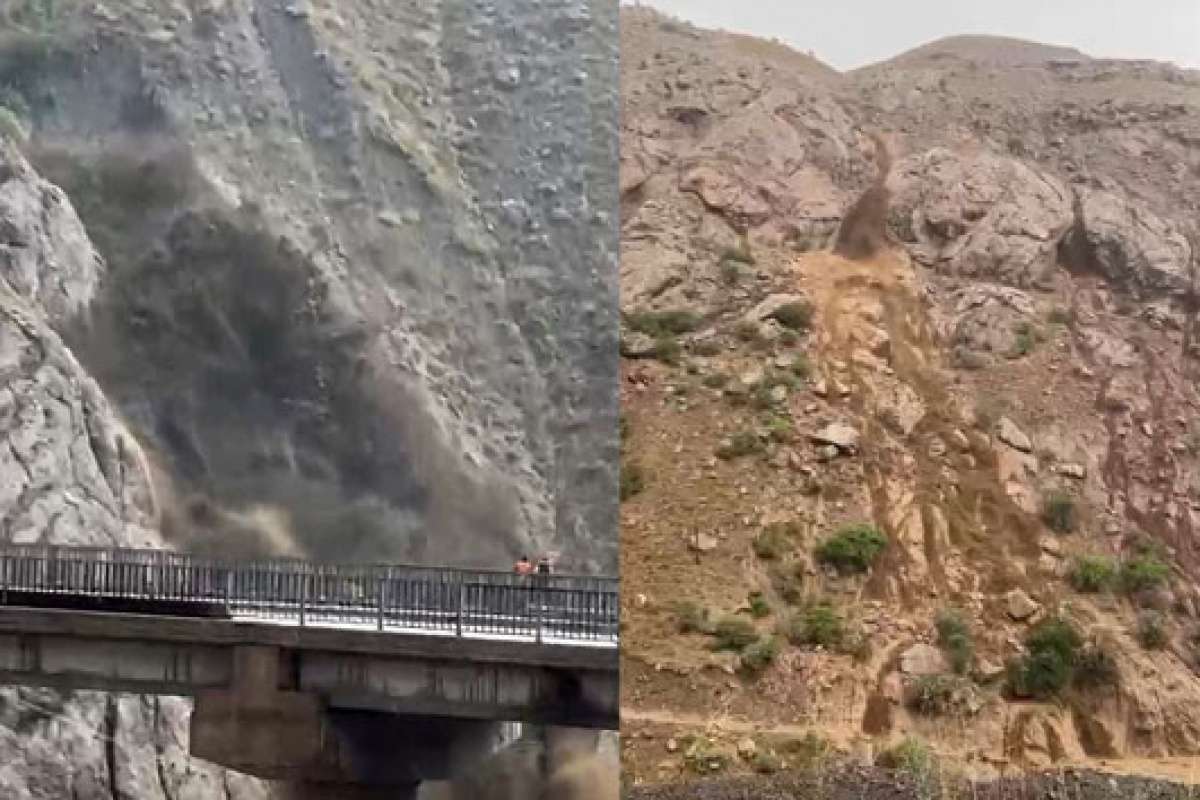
(759, 607)
(774, 541)
(806, 751)
(702, 757)
(1059, 315)
(1092, 574)
(1095, 667)
(742, 443)
(788, 581)
(716, 380)
(692, 618)
(765, 762)
(748, 331)
(1024, 340)
(1058, 511)
(663, 323)
(854, 548)
(667, 349)
(632, 480)
(739, 252)
(733, 633)
(780, 429)
(1142, 573)
(801, 367)
(731, 273)
(858, 646)
(706, 347)
(1151, 632)
(817, 625)
(912, 757)
(759, 655)
(1049, 665)
(931, 695)
(794, 316)
(954, 637)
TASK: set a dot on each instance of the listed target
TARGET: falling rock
(1020, 605)
(923, 659)
(1008, 432)
(838, 434)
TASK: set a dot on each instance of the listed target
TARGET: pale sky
(851, 33)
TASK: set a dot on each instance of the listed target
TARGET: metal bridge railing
(383, 597)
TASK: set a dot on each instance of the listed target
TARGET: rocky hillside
(911, 451)
(298, 278)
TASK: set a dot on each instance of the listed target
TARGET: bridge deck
(553, 610)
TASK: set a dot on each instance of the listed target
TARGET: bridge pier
(261, 729)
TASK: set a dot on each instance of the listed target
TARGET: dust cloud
(568, 765)
(863, 230)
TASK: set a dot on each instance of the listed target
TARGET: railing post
(52, 568)
(227, 592)
(381, 596)
(303, 593)
(462, 604)
(537, 616)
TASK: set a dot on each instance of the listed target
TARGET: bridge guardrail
(383, 597)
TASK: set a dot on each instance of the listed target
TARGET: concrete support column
(254, 727)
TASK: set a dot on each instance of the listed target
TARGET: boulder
(839, 435)
(923, 659)
(1020, 605)
(1008, 432)
(1127, 243)
(979, 215)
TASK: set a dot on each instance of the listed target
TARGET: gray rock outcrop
(71, 473)
(980, 216)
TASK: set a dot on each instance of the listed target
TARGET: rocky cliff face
(1003, 390)
(344, 274)
(298, 278)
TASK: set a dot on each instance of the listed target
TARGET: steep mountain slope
(325, 279)
(940, 313)
(348, 280)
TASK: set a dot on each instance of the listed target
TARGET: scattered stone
(1072, 470)
(827, 453)
(923, 659)
(1020, 605)
(838, 434)
(703, 543)
(1008, 432)
(1051, 545)
(959, 440)
(638, 345)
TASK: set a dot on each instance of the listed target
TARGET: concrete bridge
(376, 675)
